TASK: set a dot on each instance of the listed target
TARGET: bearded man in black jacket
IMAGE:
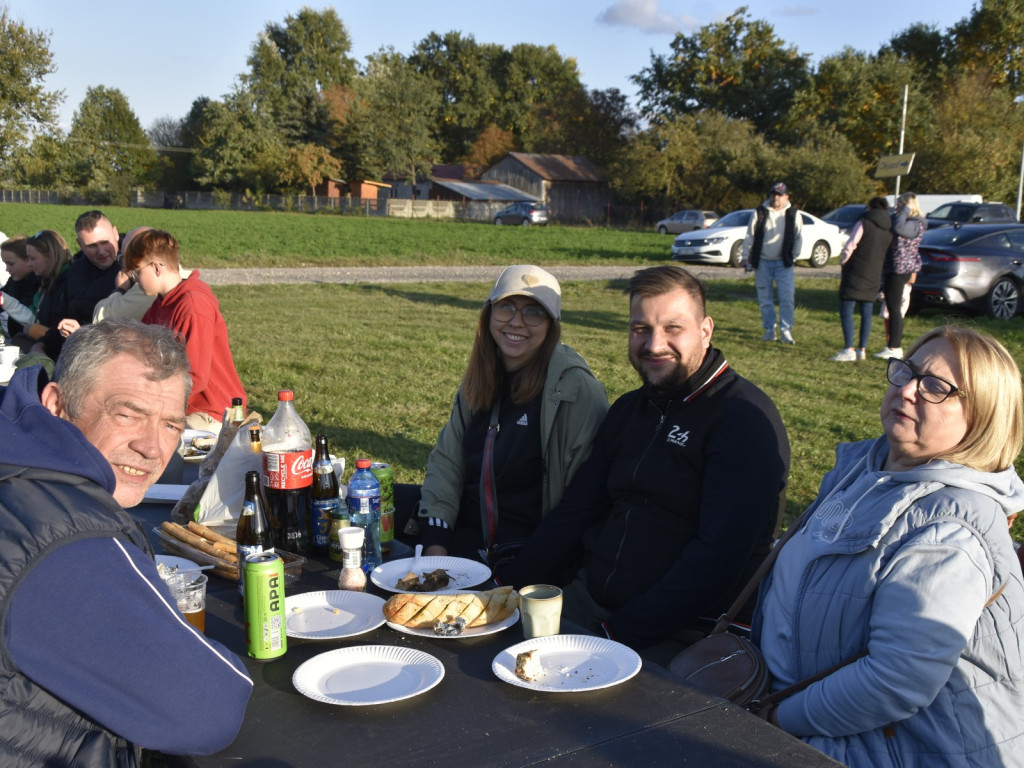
(680, 499)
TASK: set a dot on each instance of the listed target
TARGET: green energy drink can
(386, 477)
(265, 632)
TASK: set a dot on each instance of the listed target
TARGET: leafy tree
(861, 97)
(38, 164)
(989, 41)
(177, 142)
(925, 48)
(464, 72)
(241, 148)
(106, 145)
(737, 67)
(824, 171)
(699, 160)
(309, 164)
(599, 127)
(394, 117)
(973, 144)
(537, 85)
(490, 146)
(26, 107)
(291, 65)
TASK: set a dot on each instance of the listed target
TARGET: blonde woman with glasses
(906, 558)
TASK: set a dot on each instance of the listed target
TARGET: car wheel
(1003, 300)
(662, 230)
(498, 222)
(526, 222)
(736, 254)
(820, 254)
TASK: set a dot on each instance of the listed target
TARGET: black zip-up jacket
(676, 507)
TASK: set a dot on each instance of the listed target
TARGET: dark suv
(522, 213)
(971, 213)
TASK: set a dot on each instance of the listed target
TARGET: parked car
(722, 242)
(686, 221)
(971, 213)
(978, 267)
(845, 216)
(523, 214)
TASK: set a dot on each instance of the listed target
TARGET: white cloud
(647, 16)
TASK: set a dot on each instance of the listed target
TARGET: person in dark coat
(862, 259)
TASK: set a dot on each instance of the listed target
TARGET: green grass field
(376, 367)
(260, 239)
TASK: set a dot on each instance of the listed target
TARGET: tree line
(721, 113)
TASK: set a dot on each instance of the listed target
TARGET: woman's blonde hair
(53, 245)
(994, 404)
(909, 201)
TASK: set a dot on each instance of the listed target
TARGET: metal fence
(464, 210)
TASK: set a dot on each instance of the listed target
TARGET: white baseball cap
(528, 280)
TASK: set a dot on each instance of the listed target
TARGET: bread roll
(477, 608)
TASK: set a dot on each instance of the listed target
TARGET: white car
(722, 242)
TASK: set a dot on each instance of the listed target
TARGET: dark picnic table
(471, 718)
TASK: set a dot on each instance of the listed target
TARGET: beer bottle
(237, 412)
(326, 500)
(253, 533)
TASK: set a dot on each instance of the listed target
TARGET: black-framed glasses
(932, 389)
(532, 314)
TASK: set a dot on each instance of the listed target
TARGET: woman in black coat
(862, 260)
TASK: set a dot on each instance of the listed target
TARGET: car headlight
(715, 240)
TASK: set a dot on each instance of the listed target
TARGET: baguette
(421, 611)
(218, 540)
(198, 542)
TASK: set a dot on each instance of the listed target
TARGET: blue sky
(164, 55)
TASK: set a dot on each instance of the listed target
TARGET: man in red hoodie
(187, 306)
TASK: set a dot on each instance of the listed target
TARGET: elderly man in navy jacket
(96, 659)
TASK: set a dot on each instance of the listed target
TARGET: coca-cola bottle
(288, 476)
(326, 498)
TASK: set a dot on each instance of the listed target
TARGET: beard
(669, 375)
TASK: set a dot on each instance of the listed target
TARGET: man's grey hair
(90, 347)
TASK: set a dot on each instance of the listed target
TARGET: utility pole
(903, 131)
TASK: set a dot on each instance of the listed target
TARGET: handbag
(731, 667)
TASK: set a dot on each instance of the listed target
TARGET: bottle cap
(351, 537)
(363, 463)
(285, 394)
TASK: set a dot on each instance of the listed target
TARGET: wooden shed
(573, 188)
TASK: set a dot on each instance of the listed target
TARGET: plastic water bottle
(364, 510)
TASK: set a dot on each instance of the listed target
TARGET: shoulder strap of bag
(488, 491)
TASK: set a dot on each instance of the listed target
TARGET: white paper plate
(464, 573)
(182, 564)
(186, 441)
(571, 663)
(367, 674)
(484, 629)
(332, 615)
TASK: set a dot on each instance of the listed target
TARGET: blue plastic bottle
(364, 511)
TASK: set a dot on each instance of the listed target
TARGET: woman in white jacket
(906, 554)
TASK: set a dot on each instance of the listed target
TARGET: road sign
(894, 165)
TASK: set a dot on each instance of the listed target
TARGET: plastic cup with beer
(189, 590)
(541, 608)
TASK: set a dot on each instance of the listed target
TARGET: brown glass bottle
(326, 501)
(252, 533)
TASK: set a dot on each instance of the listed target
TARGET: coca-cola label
(288, 471)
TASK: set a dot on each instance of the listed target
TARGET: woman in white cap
(521, 425)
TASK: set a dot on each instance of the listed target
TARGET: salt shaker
(352, 576)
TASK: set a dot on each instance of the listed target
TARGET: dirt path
(391, 275)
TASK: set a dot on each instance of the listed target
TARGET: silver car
(978, 267)
(686, 221)
(523, 214)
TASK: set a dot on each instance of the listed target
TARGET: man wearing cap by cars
(774, 239)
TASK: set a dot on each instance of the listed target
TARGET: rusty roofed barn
(573, 188)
